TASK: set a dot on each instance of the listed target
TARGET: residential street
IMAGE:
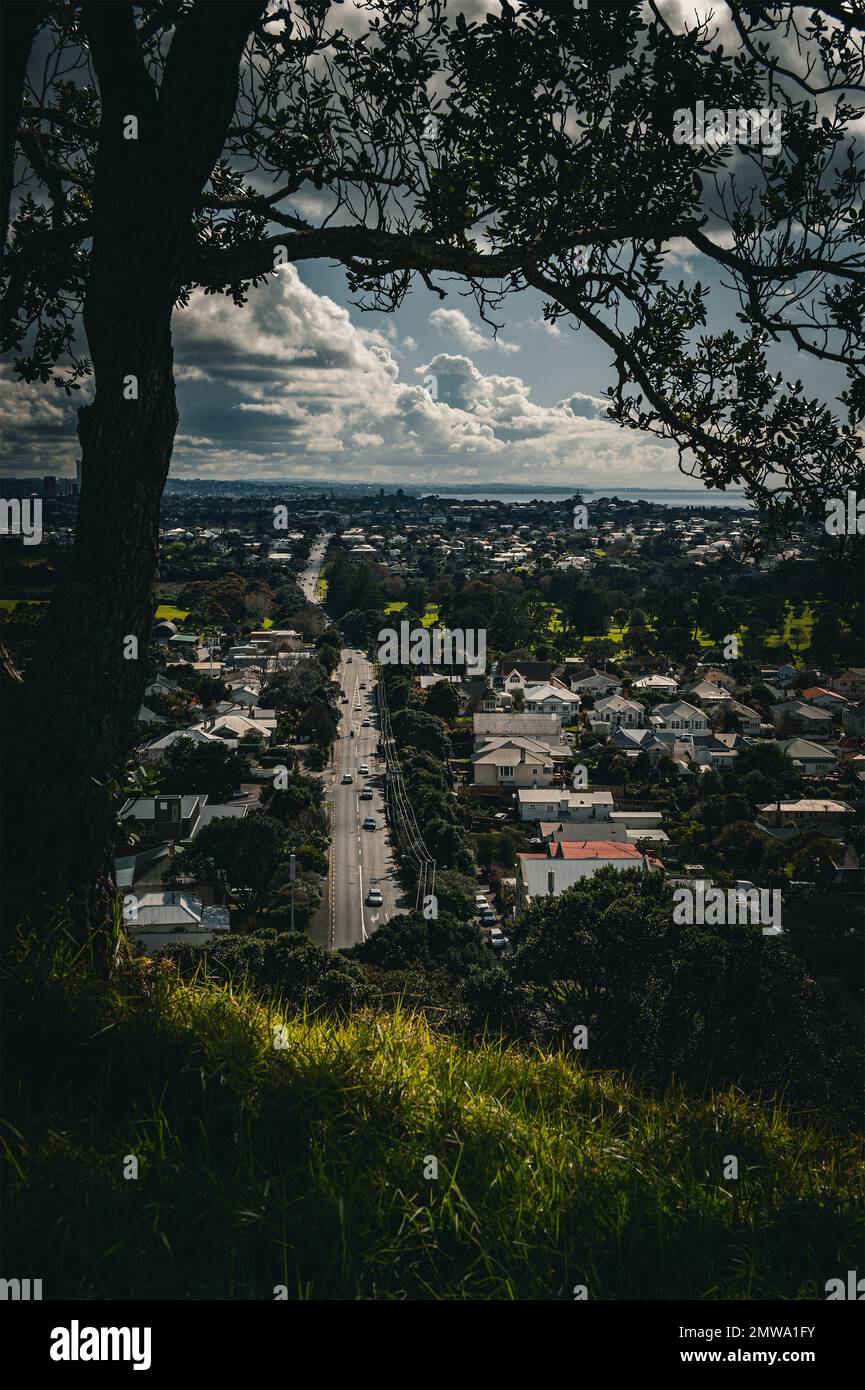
(359, 860)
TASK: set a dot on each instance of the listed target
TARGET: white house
(681, 718)
(514, 762)
(660, 685)
(618, 713)
(599, 684)
(813, 759)
(551, 697)
(567, 862)
(565, 805)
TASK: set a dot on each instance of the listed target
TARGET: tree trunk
(69, 727)
(78, 705)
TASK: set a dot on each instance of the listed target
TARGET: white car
(498, 940)
(364, 724)
(364, 767)
(481, 903)
(374, 897)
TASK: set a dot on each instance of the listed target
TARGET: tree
(144, 152)
(443, 701)
(206, 768)
(242, 855)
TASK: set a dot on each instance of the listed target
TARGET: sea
(662, 496)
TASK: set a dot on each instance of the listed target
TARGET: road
(359, 860)
(309, 578)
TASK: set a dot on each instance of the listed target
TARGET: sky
(300, 383)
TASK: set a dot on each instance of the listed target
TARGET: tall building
(49, 486)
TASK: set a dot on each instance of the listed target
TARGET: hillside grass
(303, 1165)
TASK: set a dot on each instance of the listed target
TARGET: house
(804, 814)
(659, 685)
(166, 918)
(243, 695)
(853, 718)
(567, 862)
(599, 683)
(551, 697)
(565, 805)
(173, 818)
(826, 699)
(633, 742)
(681, 718)
(851, 683)
(718, 676)
(149, 716)
(795, 716)
(155, 750)
(515, 762)
(707, 693)
(544, 727)
(161, 685)
(161, 819)
(616, 712)
(616, 830)
(812, 759)
(746, 720)
(514, 675)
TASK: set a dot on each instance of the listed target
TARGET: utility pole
(291, 874)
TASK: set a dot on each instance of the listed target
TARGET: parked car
(347, 779)
(364, 724)
(369, 822)
(366, 794)
(363, 685)
(498, 940)
(488, 917)
(481, 902)
(364, 767)
(374, 897)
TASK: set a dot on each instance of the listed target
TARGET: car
(364, 767)
(498, 940)
(488, 917)
(347, 779)
(481, 903)
(363, 685)
(374, 897)
(364, 724)
(357, 709)
(343, 699)
(348, 661)
(369, 823)
(366, 794)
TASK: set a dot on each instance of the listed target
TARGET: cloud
(453, 323)
(288, 386)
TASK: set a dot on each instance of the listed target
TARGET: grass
(430, 614)
(169, 612)
(304, 1166)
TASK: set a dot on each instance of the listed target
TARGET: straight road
(359, 860)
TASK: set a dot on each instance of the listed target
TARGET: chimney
(551, 882)
(522, 755)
